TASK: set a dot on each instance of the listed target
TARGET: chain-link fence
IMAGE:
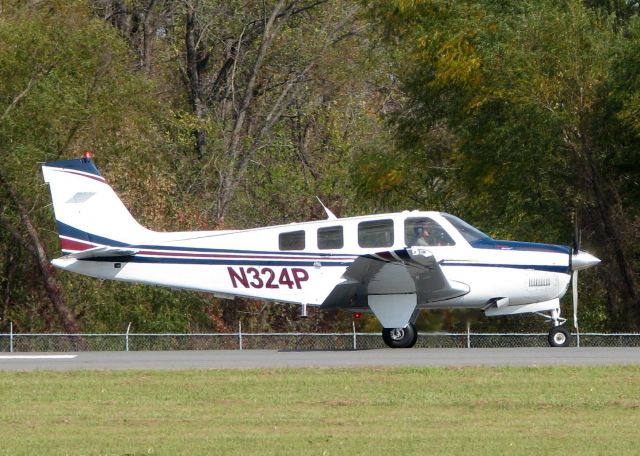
(15, 342)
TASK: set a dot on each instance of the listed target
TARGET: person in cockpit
(423, 236)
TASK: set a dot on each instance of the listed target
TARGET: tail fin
(88, 212)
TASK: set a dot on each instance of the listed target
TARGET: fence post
(468, 335)
(126, 339)
(355, 343)
(11, 337)
(240, 335)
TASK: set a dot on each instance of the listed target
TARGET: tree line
(209, 114)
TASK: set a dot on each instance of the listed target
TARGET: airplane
(392, 265)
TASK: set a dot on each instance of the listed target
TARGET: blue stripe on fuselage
(534, 267)
(302, 262)
(71, 232)
(520, 246)
(215, 262)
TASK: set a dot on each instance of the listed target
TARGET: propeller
(577, 238)
(578, 260)
(577, 234)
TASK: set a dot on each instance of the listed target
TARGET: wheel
(559, 337)
(400, 337)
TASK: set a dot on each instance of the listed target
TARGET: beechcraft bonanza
(393, 265)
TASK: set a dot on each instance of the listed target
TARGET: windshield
(467, 231)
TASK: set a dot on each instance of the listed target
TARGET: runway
(249, 359)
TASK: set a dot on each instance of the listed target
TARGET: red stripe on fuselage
(240, 256)
(70, 244)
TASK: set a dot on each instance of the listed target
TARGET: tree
(186, 104)
(508, 110)
(65, 81)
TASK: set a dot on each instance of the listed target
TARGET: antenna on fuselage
(330, 215)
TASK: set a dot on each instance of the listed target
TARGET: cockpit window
(470, 233)
(425, 231)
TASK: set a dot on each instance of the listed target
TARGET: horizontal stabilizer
(100, 252)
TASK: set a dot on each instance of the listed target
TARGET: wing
(408, 271)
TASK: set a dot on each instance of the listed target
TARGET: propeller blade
(574, 284)
(577, 235)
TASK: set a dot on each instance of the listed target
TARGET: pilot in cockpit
(428, 232)
(423, 236)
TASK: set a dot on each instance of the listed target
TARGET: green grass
(591, 410)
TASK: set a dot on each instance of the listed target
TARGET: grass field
(591, 410)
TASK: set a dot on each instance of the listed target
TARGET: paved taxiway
(234, 359)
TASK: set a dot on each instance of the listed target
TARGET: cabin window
(330, 238)
(294, 240)
(376, 233)
(425, 231)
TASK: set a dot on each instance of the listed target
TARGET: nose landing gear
(558, 336)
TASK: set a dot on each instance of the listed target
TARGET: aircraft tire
(400, 337)
(559, 337)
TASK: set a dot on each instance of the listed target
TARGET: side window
(330, 238)
(293, 240)
(376, 233)
(424, 231)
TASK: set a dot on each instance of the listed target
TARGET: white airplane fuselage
(249, 263)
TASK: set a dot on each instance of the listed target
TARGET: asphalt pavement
(249, 359)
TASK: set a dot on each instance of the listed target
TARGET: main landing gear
(400, 337)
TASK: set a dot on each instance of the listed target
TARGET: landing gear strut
(400, 337)
(559, 336)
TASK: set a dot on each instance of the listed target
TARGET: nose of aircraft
(583, 260)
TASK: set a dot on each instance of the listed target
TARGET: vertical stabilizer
(88, 212)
